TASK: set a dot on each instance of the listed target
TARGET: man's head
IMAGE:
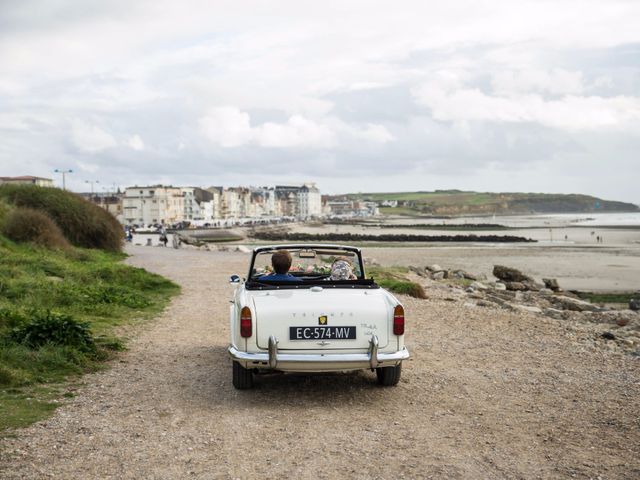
(281, 261)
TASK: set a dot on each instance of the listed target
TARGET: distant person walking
(163, 236)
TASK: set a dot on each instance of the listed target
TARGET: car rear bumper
(317, 362)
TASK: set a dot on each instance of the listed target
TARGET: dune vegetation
(395, 280)
(60, 304)
(82, 223)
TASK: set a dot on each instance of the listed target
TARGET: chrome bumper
(274, 359)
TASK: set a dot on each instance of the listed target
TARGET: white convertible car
(312, 323)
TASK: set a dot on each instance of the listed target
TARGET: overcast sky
(354, 95)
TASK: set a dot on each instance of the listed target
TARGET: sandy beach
(566, 247)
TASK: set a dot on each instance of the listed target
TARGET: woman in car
(341, 269)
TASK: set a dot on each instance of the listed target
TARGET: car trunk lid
(321, 318)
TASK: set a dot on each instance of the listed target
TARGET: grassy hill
(62, 305)
(457, 202)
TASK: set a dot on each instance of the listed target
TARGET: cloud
(555, 81)
(90, 138)
(136, 143)
(571, 112)
(229, 127)
(297, 131)
(226, 126)
(432, 94)
(88, 167)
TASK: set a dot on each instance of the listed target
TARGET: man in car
(281, 261)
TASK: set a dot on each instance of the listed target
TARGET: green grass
(22, 407)
(83, 223)
(456, 202)
(85, 286)
(404, 287)
(394, 279)
(623, 297)
(405, 211)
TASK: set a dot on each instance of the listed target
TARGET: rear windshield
(312, 265)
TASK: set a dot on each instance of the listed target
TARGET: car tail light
(246, 329)
(398, 320)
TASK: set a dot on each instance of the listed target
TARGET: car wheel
(389, 376)
(242, 377)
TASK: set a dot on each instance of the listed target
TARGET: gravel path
(486, 394)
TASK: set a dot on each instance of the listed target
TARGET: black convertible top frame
(361, 282)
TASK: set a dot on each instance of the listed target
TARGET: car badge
(322, 320)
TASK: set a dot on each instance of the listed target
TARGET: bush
(4, 211)
(56, 329)
(83, 223)
(29, 225)
(404, 287)
(11, 318)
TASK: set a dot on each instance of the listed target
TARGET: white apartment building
(230, 204)
(309, 201)
(212, 207)
(153, 205)
(192, 210)
(195, 204)
(160, 204)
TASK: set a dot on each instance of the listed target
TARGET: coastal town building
(215, 205)
(28, 180)
(297, 201)
(153, 205)
(212, 207)
(343, 206)
(195, 203)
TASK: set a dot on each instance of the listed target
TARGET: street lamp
(92, 182)
(63, 172)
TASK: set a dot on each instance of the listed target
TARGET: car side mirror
(234, 279)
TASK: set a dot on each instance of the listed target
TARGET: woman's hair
(281, 261)
(341, 270)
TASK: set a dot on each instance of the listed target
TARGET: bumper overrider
(275, 360)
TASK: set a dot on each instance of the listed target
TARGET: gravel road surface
(486, 394)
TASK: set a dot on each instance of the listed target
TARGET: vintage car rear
(311, 322)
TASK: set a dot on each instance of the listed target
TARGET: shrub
(29, 225)
(4, 211)
(11, 318)
(53, 328)
(404, 287)
(83, 223)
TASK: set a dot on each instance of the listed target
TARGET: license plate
(322, 333)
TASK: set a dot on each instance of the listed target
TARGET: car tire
(389, 376)
(242, 377)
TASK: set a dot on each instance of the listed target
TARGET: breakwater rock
(357, 237)
(616, 325)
